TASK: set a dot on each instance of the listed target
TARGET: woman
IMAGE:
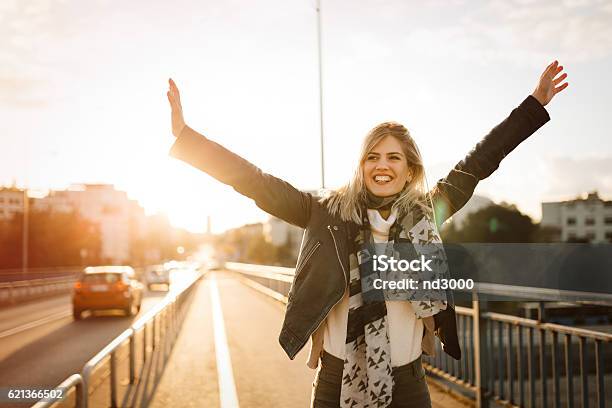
(367, 354)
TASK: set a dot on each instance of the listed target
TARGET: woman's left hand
(549, 86)
(176, 115)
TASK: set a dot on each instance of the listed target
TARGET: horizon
(38, 193)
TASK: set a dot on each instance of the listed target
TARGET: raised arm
(452, 192)
(271, 194)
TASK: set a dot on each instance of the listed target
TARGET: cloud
(37, 41)
(569, 177)
(28, 34)
(523, 32)
(549, 179)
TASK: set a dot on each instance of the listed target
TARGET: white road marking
(35, 323)
(227, 388)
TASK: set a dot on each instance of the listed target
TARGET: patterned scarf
(367, 381)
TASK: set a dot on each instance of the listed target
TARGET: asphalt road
(226, 355)
(41, 344)
(263, 374)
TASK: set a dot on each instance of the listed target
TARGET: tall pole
(24, 235)
(320, 92)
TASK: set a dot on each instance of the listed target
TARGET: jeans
(409, 390)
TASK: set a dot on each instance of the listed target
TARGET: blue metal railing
(507, 360)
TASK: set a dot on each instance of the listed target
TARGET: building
(279, 233)
(587, 218)
(249, 231)
(239, 239)
(119, 218)
(11, 202)
(111, 210)
(55, 201)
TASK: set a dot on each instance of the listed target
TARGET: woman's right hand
(174, 97)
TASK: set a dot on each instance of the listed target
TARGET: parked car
(158, 275)
(107, 288)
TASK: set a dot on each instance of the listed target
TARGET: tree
(10, 244)
(547, 234)
(54, 239)
(495, 223)
(261, 252)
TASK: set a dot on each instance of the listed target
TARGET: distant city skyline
(475, 203)
(82, 93)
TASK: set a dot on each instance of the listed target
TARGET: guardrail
(499, 351)
(13, 292)
(159, 326)
(38, 283)
(275, 281)
(18, 274)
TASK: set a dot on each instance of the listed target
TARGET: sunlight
(162, 185)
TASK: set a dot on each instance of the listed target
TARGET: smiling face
(385, 168)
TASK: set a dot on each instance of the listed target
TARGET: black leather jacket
(321, 273)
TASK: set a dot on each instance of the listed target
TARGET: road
(41, 344)
(263, 374)
(226, 355)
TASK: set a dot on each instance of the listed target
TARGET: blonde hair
(347, 201)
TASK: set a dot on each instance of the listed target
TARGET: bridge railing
(18, 274)
(18, 291)
(507, 360)
(155, 331)
(15, 286)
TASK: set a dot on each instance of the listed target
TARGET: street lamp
(320, 92)
(24, 236)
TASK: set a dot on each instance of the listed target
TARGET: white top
(405, 330)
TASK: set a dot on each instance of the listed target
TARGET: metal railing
(507, 360)
(516, 362)
(275, 281)
(38, 283)
(159, 326)
(17, 291)
(11, 275)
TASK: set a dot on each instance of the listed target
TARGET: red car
(105, 288)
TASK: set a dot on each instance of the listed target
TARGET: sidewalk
(264, 376)
(190, 376)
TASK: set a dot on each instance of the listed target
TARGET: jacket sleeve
(271, 194)
(452, 192)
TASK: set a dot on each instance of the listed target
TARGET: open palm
(550, 83)
(174, 97)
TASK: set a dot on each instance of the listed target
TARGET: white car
(157, 275)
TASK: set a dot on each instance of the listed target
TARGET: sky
(82, 93)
